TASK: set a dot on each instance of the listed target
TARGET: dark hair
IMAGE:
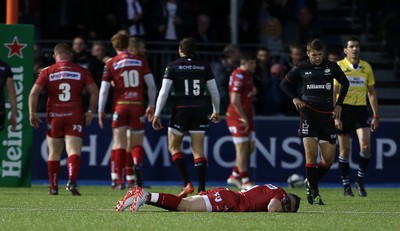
(188, 46)
(346, 41)
(297, 204)
(247, 56)
(315, 44)
(230, 49)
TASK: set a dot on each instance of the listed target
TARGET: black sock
(201, 172)
(180, 164)
(362, 166)
(344, 167)
(138, 173)
(322, 170)
(312, 177)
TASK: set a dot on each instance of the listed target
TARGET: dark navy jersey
(5, 72)
(316, 82)
(189, 76)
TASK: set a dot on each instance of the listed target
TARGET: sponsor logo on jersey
(327, 71)
(356, 81)
(190, 67)
(308, 73)
(65, 75)
(127, 63)
(313, 86)
(239, 75)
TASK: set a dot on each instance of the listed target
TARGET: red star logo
(15, 48)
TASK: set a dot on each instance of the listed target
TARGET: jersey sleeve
(146, 67)
(107, 75)
(169, 73)
(371, 76)
(88, 77)
(237, 82)
(210, 74)
(42, 79)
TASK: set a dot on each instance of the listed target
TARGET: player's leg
(200, 161)
(137, 152)
(311, 155)
(73, 146)
(175, 138)
(364, 139)
(56, 146)
(344, 163)
(242, 160)
(119, 153)
(130, 177)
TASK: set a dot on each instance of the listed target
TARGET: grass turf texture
(33, 209)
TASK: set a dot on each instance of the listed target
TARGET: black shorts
(353, 118)
(189, 119)
(316, 124)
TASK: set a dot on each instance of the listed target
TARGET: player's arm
(275, 205)
(103, 95)
(12, 96)
(344, 87)
(32, 103)
(94, 97)
(151, 94)
(289, 86)
(161, 100)
(338, 122)
(373, 101)
(213, 89)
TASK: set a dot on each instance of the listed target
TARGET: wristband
(376, 117)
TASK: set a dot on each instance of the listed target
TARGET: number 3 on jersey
(131, 78)
(196, 87)
(66, 92)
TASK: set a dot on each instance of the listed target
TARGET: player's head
(187, 46)
(351, 48)
(315, 51)
(136, 46)
(120, 41)
(294, 202)
(248, 62)
(62, 51)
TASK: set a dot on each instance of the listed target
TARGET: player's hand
(337, 111)
(374, 125)
(157, 125)
(34, 120)
(215, 118)
(244, 122)
(338, 124)
(298, 103)
(102, 116)
(88, 118)
(150, 113)
(13, 121)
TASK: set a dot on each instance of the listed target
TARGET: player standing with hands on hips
(6, 79)
(355, 115)
(317, 111)
(64, 82)
(190, 77)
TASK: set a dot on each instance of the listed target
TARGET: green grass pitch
(32, 209)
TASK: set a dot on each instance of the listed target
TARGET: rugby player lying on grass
(259, 198)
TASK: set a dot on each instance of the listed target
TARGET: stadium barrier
(279, 153)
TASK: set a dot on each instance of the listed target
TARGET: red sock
(235, 171)
(53, 169)
(137, 154)
(167, 201)
(120, 164)
(129, 167)
(74, 162)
